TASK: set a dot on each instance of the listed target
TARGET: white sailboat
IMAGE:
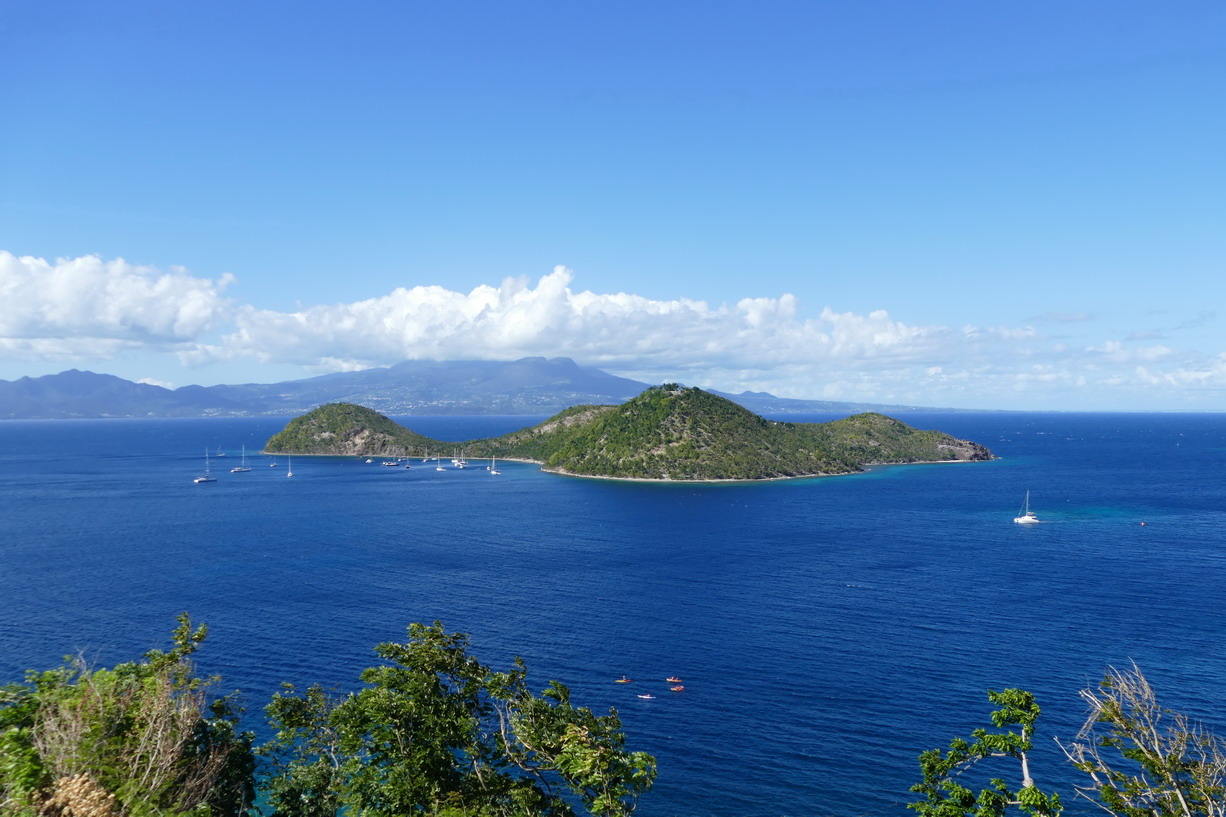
(493, 469)
(1025, 515)
(205, 477)
(289, 465)
(243, 467)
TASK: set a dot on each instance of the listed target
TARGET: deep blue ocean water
(827, 630)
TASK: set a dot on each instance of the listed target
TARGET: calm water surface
(827, 630)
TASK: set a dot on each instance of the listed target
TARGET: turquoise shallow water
(827, 629)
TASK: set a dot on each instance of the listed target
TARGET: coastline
(867, 466)
(561, 473)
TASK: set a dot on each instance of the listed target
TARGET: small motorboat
(673, 679)
(623, 680)
(647, 696)
(677, 688)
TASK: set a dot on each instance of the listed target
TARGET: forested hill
(674, 433)
(344, 429)
(666, 433)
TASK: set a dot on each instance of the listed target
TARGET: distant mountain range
(531, 385)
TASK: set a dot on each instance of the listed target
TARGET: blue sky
(982, 205)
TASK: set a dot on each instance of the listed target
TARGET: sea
(827, 630)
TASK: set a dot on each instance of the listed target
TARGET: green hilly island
(666, 433)
(345, 429)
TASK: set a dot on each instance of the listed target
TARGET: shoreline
(867, 467)
(659, 481)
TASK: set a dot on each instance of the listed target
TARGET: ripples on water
(827, 630)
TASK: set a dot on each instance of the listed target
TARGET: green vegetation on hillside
(433, 731)
(682, 434)
(538, 443)
(872, 438)
(349, 430)
(666, 433)
(674, 433)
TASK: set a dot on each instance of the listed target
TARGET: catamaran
(1025, 515)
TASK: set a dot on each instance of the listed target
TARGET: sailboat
(493, 469)
(1025, 515)
(289, 465)
(439, 467)
(243, 466)
(205, 477)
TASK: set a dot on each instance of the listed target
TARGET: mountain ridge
(531, 385)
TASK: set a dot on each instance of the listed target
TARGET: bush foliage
(433, 732)
(142, 738)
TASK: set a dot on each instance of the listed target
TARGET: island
(666, 433)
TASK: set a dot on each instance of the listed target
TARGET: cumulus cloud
(90, 307)
(518, 319)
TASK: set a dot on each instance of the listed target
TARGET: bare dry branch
(1144, 759)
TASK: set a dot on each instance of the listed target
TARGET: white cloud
(87, 307)
(517, 319)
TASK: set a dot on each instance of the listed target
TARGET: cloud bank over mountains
(90, 309)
